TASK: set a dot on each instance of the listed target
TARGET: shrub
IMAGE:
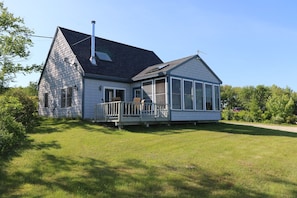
(291, 119)
(12, 132)
(277, 119)
(27, 115)
(227, 114)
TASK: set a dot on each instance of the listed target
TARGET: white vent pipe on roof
(93, 58)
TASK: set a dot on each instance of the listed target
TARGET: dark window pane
(199, 96)
(208, 90)
(188, 94)
(45, 99)
(63, 98)
(176, 94)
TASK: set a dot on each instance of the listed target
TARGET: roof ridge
(116, 42)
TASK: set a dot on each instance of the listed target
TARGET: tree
(281, 107)
(14, 43)
(228, 97)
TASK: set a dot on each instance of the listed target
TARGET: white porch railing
(127, 112)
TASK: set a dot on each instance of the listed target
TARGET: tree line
(259, 104)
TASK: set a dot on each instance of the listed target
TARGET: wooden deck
(130, 113)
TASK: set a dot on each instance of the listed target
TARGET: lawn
(71, 158)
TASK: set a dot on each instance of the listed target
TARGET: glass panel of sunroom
(199, 96)
(208, 90)
(176, 94)
(188, 94)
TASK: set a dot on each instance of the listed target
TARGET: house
(105, 81)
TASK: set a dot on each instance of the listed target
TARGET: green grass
(81, 159)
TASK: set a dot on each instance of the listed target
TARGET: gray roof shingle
(127, 61)
(160, 69)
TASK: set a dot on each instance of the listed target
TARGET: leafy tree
(14, 43)
(31, 89)
(259, 103)
(245, 96)
(281, 107)
(261, 95)
(228, 97)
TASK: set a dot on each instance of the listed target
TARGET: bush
(291, 119)
(12, 132)
(27, 115)
(277, 119)
(227, 114)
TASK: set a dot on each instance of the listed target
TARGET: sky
(246, 43)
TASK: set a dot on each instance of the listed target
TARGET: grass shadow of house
(212, 127)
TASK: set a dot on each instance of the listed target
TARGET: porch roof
(161, 69)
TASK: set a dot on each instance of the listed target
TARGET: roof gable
(126, 61)
(159, 69)
(166, 68)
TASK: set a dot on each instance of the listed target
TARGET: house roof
(164, 68)
(160, 69)
(126, 61)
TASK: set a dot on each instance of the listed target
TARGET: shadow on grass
(245, 130)
(52, 125)
(213, 127)
(90, 177)
(60, 125)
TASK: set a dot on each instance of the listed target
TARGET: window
(137, 93)
(176, 93)
(108, 95)
(160, 91)
(63, 98)
(217, 97)
(119, 93)
(45, 99)
(103, 56)
(66, 97)
(208, 91)
(199, 96)
(69, 97)
(188, 95)
(113, 94)
(147, 88)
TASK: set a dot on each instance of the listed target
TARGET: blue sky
(246, 43)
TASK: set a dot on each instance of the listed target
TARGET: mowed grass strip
(72, 158)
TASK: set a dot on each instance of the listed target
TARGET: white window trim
(152, 83)
(215, 107)
(183, 96)
(66, 98)
(114, 91)
(154, 88)
(212, 96)
(203, 95)
(135, 89)
(182, 92)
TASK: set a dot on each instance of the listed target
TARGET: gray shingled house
(105, 81)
